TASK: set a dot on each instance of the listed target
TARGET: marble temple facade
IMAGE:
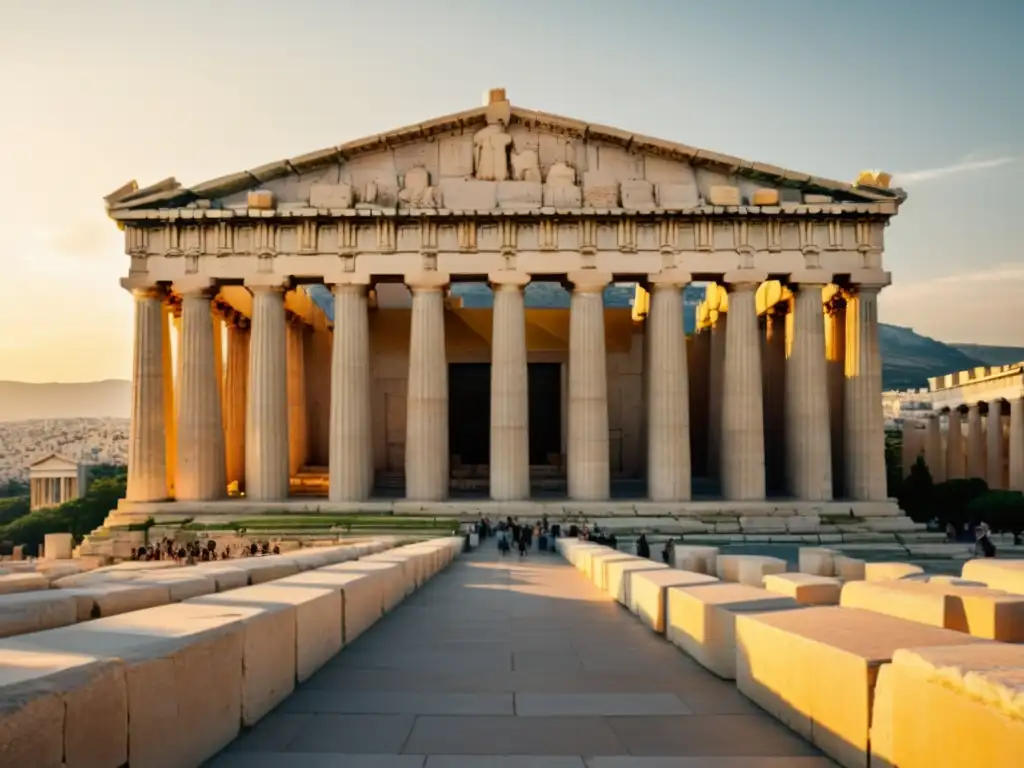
(244, 386)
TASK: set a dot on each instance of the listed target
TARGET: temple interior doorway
(545, 383)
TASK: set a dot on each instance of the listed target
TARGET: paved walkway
(523, 659)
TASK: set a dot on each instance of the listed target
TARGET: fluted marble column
(808, 430)
(218, 352)
(835, 355)
(719, 330)
(588, 471)
(865, 426)
(510, 402)
(266, 415)
(297, 428)
(994, 438)
(934, 457)
(201, 472)
(975, 443)
(1016, 444)
(774, 366)
(742, 448)
(427, 456)
(147, 468)
(170, 417)
(236, 390)
(351, 444)
(668, 404)
(954, 446)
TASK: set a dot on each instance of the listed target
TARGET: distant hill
(91, 399)
(908, 359)
(991, 355)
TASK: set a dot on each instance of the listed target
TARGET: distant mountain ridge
(908, 359)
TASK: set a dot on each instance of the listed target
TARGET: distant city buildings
(898, 405)
(89, 441)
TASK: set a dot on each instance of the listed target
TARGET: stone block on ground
(889, 571)
(951, 705)
(364, 591)
(266, 568)
(110, 599)
(57, 546)
(61, 709)
(393, 574)
(701, 620)
(697, 559)
(597, 568)
(977, 611)
(12, 583)
(1007, 575)
(805, 588)
(36, 611)
(648, 593)
(225, 577)
(849, 568)
(269, 647)
(817, 561)
(620, 575)
(814, 669)
(747, 569)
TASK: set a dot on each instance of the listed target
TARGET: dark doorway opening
(545, 383)
(469, 412)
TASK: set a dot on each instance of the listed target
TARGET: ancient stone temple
(249, 395)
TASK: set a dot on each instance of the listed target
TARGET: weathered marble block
(977, 611)
(849, 568)
(401, 574)
(677, 195)
(817, 561)
(61, 709)
(520, 194)
(22, 582)
(562, 196)
(637, 195)
(805, 588)
(111, 599)
(620, 573)
(330, 196)
(813, 199)
(260, 198)
(753, 569)
(57, 546)
(950, 705)
(701, 620)
(269, 648)
(648, 593)
(600, 190)
(765, 197)
(720, 194)
(35, 611)
(224, 577)
(597, 570)
(814, 669)
(1007, 575)
(264, 569)
(364, 593)
(688, 557)
(889, 571)
(469, 194)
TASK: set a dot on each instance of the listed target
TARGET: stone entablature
(976, 385)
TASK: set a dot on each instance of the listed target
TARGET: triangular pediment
(500, 156)
(54, 462)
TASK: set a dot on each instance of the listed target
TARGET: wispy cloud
(968, 166)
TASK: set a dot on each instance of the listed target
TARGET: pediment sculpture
(490, 153)
(526, 166)
(416, 191)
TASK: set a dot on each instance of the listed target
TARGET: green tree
(953, 497)
(894, 463)
(13, 508)
(1002, 510)
(13, 487)
(917, 493)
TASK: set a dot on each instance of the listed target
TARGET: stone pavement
(510, 663)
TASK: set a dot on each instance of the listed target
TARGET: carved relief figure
(561, 174)
(525, 166)
(560, 190)
(490, 153)
(417, 192)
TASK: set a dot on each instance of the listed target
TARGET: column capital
(508, 279)
(744, 279)
(347, 278)
(589, 280)
(869, 280)
(669, 278)
(196, 286)
(427, 281)
(268, 282)
(358, 289)
(804, 277)
(143, 288)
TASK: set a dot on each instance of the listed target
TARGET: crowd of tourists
(192, 552)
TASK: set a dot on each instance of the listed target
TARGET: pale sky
(95, 93)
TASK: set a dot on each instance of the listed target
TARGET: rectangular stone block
(224, 577)
(57, 546)
(328, 196)
(269, 648)
(562, 196)
(648, 593)
(264, 569)
(469, 194)
(113, 598)
(765, 197)
(400, 574)
(701, 620)
(598, 566)
(676, 195)
(619, 576)
(600, 190)
(637, 195)
(364, 593)
(262, 199)
(805, 588)
(977, 611)
(814, 669)
(889, 571)
(1007, 575)
(849, 568)
(36, 611)
(22, 582)
(61, 709)
(753, 569)
(764, 524)
(520, 194)
(953, 705)
(688, 557)
(817, 561)
(720, 194)
(813, 199)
